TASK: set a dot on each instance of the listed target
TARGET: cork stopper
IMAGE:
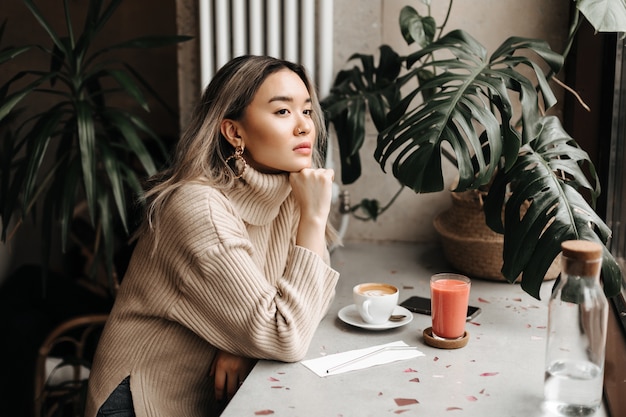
(582, 258)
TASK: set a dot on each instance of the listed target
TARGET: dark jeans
(119, 403)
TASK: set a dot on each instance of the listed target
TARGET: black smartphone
(421, 305)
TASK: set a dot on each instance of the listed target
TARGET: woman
(232, 261)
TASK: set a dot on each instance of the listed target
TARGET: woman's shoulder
(197, 193)
(200, 205)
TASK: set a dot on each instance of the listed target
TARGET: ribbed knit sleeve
(262, 308)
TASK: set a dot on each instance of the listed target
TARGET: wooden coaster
(430, 340)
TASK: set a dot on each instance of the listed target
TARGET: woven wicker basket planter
(469, 244)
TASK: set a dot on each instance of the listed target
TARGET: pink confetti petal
(414, 380)
(474, 323)
(489, 373)
(436, 358)
(482, 300)
(401, 411)
(272, 379)
(518, 300)
(276, 386)
(263, 412)
(401, 402)
(453, 408)
(471, 398)
(409, 370)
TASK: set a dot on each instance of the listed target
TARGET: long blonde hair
(202, 150)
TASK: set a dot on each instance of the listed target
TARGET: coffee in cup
(375, 301)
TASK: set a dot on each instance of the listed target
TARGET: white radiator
(296, 30)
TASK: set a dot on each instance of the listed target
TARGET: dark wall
(150, 17)
(591, 72)
(133, 18)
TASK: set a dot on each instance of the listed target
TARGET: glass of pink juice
(449, 294)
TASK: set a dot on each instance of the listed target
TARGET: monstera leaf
(604, 15)
(546, 207)
(471, 109)
(354, 91)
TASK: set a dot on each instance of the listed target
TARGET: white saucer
(350, 315)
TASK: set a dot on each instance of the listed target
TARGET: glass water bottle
(577, 325)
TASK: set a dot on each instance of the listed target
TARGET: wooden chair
(64, 358)
(61, 391)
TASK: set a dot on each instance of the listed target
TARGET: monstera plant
(487, 115)
(83, 148)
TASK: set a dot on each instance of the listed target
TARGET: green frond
(469, 108)
(545, 207)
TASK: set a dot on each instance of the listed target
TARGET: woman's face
(277, 129)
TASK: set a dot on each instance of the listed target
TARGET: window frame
(596, 70)
(615, 371)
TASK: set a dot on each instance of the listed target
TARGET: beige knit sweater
(226, 274)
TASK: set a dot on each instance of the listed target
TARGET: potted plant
(450, 91)
(74, 147)
(77, 163)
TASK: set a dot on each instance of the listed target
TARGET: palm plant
(81, 150)
(490, 110)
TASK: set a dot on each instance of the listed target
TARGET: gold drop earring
(240, 164)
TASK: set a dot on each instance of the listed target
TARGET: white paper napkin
(361, 358)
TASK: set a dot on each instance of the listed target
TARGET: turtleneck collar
(258, 196)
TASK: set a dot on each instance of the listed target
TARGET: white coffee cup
(375, 301)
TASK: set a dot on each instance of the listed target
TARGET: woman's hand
(312, 189)
(229, 372)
